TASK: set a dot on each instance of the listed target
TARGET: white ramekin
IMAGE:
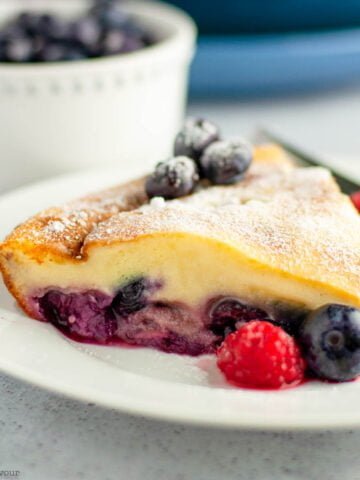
(66, 116)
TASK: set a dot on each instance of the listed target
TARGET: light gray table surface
(46, 437)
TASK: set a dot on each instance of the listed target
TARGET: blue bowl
(240, 16)
(260, 65)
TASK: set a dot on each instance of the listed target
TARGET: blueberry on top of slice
(172, 178)
(194, 137)
(330, 337)
(225, 161)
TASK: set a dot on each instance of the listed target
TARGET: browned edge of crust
(272, 155)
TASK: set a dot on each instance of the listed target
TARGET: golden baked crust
(63, 231)
(291, 220)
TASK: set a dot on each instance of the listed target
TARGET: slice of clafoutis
(178, 275)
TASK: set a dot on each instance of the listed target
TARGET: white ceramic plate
(143, 381)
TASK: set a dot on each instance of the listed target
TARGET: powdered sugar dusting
(224, 150)
(196, 132)
(155, 204)
(293, 219)
(56, 226)
(64, 229)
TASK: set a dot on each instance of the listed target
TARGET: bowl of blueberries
(85, 83)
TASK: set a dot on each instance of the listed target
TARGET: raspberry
(261, 355)
(355, 198)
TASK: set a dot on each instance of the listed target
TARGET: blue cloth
(239, 16)
(260, 65)
(267, 47)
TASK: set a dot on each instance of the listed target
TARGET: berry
(229, 313)
(105, 29)
(86, 31)
(19, 50)
(110, 15)
(261, 355)
(173, 178)
(225, 162)
(194, 137)
(330, 338)
(52, 52)
(132, 44)
(86, 314)
(113, 42)
(74, 52)
(355, 198)
(157, 325)
(53, 28)
(2, 53)
(51, 306)
(28, 22)
(288, 317)
(130, 298)
(12, 31)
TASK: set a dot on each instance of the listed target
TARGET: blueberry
(132, 44)
(110, 15)
(52, 52)
(228, 313)
(45, 25)
(288, 317)
(118, 41)
(130, 298)
(85, 314)
(53, 28)
(2, 49)
(86, 31)
(19, 50)
(12, 31)
(330, 337)
(194, 137)
(28, 22)
(113, 42)
(225, 162)
(58, 51)
(74, 52)
(172, 178)
(39, 44)
(52, 306)
(105, 29)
